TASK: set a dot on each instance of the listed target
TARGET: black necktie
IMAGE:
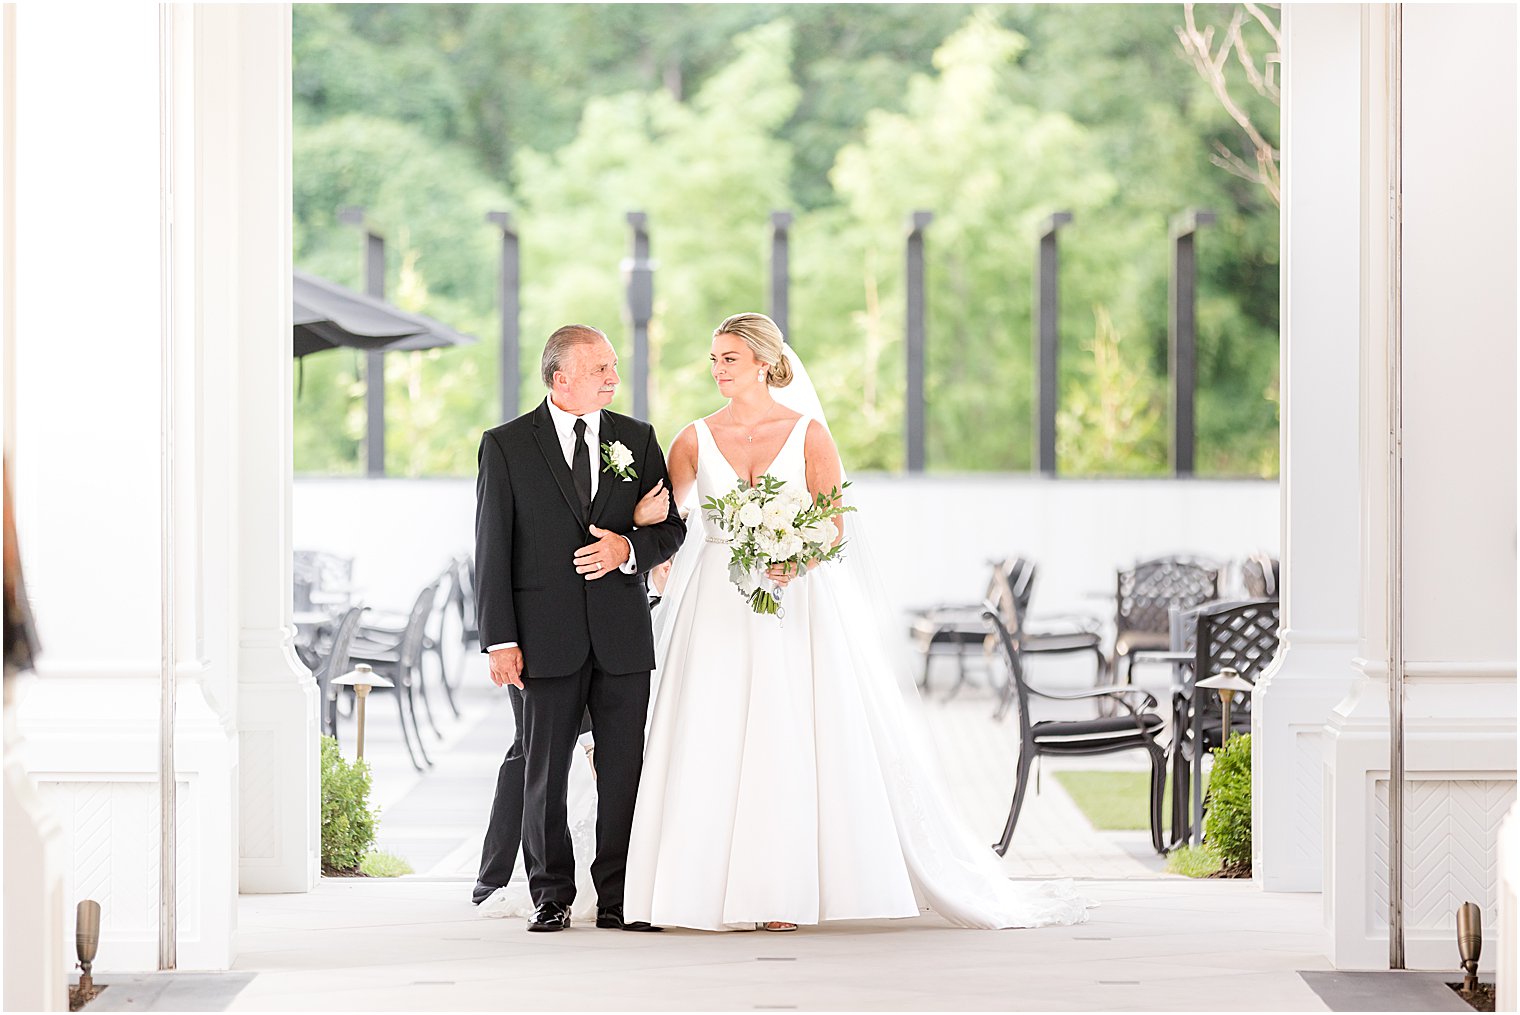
(580, 467)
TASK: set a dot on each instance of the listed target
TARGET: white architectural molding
(1457, 530)
(1321, 236)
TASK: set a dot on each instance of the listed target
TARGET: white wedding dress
(788, 771)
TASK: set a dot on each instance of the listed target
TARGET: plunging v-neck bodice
(717, 476)
(705, 454)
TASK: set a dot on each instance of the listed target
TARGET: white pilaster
(1457, 529)
(243, 78)
(1320, 244)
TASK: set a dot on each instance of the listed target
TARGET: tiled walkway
(1154, 942)
(436, 820)
(356, 945)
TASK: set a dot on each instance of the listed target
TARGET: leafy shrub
(1227, 826)
(348, 826)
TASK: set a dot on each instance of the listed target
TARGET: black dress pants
(618, 704)
(498, 854)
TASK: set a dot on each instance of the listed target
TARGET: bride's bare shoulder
(819, 441)
(684, 447)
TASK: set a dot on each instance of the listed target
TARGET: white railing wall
(933, 534)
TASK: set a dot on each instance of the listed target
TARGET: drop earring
(760, 376)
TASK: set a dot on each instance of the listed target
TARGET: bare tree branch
(1198, 46)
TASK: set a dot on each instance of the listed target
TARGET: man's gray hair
(561, 342)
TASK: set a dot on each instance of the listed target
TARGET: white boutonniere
(619, 461)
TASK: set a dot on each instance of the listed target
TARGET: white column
(89, 387)
(1321, 233)
(243, 74)
(90, 384)
(1458, 524)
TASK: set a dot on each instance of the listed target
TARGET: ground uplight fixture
(361, 678)
(1228, 684)
(1469, 943)
(87, 941)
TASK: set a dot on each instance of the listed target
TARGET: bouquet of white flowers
(770, 523)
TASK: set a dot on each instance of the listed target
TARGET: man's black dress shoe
(611, 918)
(549, 917)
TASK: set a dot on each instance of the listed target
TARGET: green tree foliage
(707, 117)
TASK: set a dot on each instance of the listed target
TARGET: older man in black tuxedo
(563, 610)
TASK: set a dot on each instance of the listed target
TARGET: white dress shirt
(564, 429)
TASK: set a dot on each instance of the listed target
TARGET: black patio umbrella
(328, 316)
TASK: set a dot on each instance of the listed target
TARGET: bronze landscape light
(86, 942)
(361, 678)
(1469, 943)
(1228, 683)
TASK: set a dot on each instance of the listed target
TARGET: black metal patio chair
(1137, 728)
(956, 629)
(400, 660)
(463, 598)
(435, 640)
(1055, 635)
(334, 662)
(1241, 635)
(1144, 596)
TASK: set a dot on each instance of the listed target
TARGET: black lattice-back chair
(1259, 574)
(1047, 636)
(1243, 636)
(1137, 727)
(1143, 599)
(401, 661)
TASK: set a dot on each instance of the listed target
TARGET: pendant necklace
(749, 435)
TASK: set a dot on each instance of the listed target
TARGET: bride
(788, 774)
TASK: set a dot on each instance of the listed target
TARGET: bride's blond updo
(764, 340)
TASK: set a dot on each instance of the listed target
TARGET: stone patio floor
(1155, 942)
(1152, 945)
(436, 820)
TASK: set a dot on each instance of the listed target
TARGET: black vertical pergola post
(1047, 346)
(374, 360)
(915, 334)
(1182, 338)
(780, 272)
(509, 287)
(638, 274)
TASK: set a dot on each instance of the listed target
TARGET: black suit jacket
(528, 525)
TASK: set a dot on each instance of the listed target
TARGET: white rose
(621, 456)
(821, 532)
(779, 513)
(750, 515)
(768, 544)
(797, 499)
(788, 547)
